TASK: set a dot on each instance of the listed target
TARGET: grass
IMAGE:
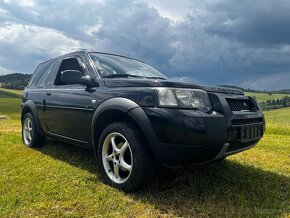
(10, 103)
(13, 92)
(264, 97)
(281, 116)
(60, 180)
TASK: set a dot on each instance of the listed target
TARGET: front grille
(240, 104)
(238, 122)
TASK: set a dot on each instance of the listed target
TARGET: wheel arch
(120, 109)
(27, 107)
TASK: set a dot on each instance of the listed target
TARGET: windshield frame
(158, 75)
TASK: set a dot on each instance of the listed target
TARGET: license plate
(251, 133)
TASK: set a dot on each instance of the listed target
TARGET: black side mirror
(70, 77)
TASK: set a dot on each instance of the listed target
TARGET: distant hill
(14, 80)
(285, 91)
(282, 91)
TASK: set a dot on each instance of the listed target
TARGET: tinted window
(110, 65)
(42, 81)
(67, 64)
(41, 67)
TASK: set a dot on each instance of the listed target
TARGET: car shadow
(215, 189)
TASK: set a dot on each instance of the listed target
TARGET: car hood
(125, 82)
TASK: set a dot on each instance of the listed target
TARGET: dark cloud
(243, 43)
(260, 22)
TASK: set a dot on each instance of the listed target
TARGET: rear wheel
(30, 136)
(124, 157)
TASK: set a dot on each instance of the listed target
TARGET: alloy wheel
(27, 131)
(117, 157)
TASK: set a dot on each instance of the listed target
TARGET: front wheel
(124, 157)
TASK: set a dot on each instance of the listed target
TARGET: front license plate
(251, 133)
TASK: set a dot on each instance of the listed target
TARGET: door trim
(69, 140)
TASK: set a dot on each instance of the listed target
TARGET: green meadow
(262, 97)
(61, 180)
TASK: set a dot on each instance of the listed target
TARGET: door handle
(49, 94)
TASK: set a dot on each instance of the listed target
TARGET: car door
(66, 106)
(39, 86)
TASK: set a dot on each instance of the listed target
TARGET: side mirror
(70, 77)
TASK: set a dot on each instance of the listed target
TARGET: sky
(244, 43)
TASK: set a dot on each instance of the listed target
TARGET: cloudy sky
(244, 43)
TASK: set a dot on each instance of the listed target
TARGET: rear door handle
(49, 94)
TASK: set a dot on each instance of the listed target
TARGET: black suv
(133, 117)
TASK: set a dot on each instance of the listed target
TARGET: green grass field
(11, 91)
(60, 180)
(10, 102)
(264, 97)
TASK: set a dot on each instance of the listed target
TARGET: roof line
(123, 56)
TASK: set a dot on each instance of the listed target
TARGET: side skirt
(72, 141)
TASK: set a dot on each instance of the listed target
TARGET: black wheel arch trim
(32, 107)
(141, 118)
(133, 110)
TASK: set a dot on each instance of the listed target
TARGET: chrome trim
(223, 152)
(240, 150)
(67, 138)
(70, 108)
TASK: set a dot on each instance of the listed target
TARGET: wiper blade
(122, 76)
(155, 77)
(126, 75)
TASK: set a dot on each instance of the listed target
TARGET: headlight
(183, 98)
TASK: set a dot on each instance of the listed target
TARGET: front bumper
(197, 137)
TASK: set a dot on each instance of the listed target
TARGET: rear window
(37, 73)
(43, 79)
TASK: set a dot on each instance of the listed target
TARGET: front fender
(141, 118)
(131, 109)
(121, 104)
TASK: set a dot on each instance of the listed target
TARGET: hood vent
(224, 90)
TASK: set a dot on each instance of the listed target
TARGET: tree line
(275, 103)
(14, 81)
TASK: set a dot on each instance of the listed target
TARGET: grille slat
(240, 104)
(238, 122)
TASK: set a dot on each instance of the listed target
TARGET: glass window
(68, 64)
(117, 66)
(41, 67)
(42, 81)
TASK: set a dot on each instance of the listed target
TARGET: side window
(38, 71)
(42, 81)
(68, 64)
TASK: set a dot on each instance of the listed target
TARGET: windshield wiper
(126, 75)
(155, 77)
(123, 75)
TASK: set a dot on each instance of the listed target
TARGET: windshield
(113, 66)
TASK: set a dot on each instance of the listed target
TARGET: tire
(30, 136)
(139, 166)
